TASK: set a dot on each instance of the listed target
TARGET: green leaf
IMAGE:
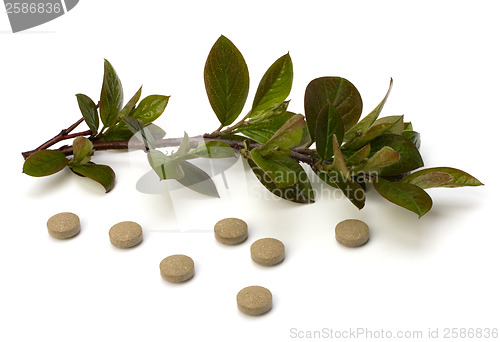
(111, 100)
(197, 180)
(372, 133)
(336, 91)
(287, 137)
(300, 192)
(413, 136)
(125, 111)
(351, 189)
(262, 130)
(359, 156)
(396, 121)
(44, 163)
(277, 167)
(274, 86)
(363, 125)
(384, 157)
(123, 132)
(102, 174)
(164, 166)
(410, 158)
(226, 80)
(408, 126)
(140, 131)
(89, 112)
(82, 150)
(433, 177)
(184, 147)
(328, 123)
(212, 149)
(150, 108)
(406, 195)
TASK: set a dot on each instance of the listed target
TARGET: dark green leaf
(359, 156)
(406, 195)
(140, 131)
(433, 177)
(372, 133)
(384, 157)
(164, 166)
(351, 189)
(102, 174)
(44, 163)
(111, 95)
(274, 86)
(125, 111)
(287, 137)
(336, 91)
(82, 150)
(363, 125)
(410, 158)
(226, 80)
(262, 130)
(413, 136)
(150, 108)
(89, 112)
(197, 180)
(277, 167)
(328, 123)
(300, 192)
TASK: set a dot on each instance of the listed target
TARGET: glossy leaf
(164, 166)
(372, 133)
(406, 195)
(123, 132)
(351, 189)
(433, 177)
(384, 157)
(413, 136)
(82, 150)
(197, 180)
(336, 91)
(274, 86)
(328, 124)
(364, 124)
(410, 158)
(262, 130)
(277, 168)
(150, 108)
(44, 163)
(300, 192)
(140, 131)
(102, 174)
(226, 80)
(396, 121)
(111, 100)
(287, 137)
(359, 156)
(127, 109)
(89, 112)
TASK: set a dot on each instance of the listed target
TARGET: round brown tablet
(63, 225)
(177, 268)
(267, 251)
(352, 233)
(125, 234)
(254, 300)
(231, 231)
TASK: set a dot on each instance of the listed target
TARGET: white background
(437, 272)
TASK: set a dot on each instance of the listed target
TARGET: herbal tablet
(125, 234)
(231, 231)
(267, 251)
(63, 225)
(177, 268)
(352, 233)
(254, 300)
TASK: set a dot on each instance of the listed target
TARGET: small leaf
(363, 125)
(89, 112)
(226, 80)
(338, 92)
(150, 108)
(359, 156)
(82, 150)
(262, 130)
(274, 86)
(372, 133)
(328, 124)
(184, 147)
(396, 121)
(277, 167)
(102, 174)
(111, 100)
(300, 192)
(123, 132)
(197, 180)
(410, 158)
(287, 137)
(351, 189)
(431, 177)
(164, 166)
(384, 157)
(212, 149)
(406, 195)
(125, 111)
(44, 163)
(140, 131)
